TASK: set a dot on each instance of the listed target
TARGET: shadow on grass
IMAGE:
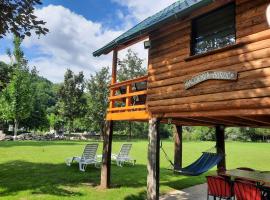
(60, 180)
(140, 196)
(41, 178)
(178, 181)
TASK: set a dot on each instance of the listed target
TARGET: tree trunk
(16, 125)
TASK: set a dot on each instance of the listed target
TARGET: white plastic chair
(123, 156)
(88, 157)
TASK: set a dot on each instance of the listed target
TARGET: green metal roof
(174, 11)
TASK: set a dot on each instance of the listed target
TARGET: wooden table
(257, 176)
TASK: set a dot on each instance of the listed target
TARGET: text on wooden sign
(210, 75)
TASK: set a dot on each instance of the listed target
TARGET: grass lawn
(36, 170)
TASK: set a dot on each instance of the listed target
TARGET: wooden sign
(210, 75)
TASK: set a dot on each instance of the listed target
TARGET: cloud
(141, 9)
(4, 58)
(73, 38)
(69, 44)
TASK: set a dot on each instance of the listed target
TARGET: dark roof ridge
(175, 10)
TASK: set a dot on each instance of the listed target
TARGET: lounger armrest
(114, 156)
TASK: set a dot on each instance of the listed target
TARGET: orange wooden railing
(122, 104)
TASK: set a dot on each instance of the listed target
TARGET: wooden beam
(206, 121)
(182, 121)
(195, 121)
(127, 108)
(259, 120)
(178, 147)
(247, 122)
(153, 160)
(131, 94)
(127, 82)
(131, 116)
(226, 121)
(114, 66)
(105, 177)
(220, 145)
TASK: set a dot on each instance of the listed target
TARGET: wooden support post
(178, 148)
(114, 66)
(153, 160)
(106, 156)
(114, 77)
(220, 144)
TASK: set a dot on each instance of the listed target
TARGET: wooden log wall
(170, 65)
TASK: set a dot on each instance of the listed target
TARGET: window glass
(213, 30)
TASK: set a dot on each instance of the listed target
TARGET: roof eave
(109, 47)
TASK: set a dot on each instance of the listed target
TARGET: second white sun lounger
(123, 155)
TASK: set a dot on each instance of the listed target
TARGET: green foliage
(199, 133)
(72, 101)
(5, 75)
(55, 121)
(130, 67)
(98, 92)
(17, 97)
(166, 130)
(17, 17)
(248, 134)
(44, 98)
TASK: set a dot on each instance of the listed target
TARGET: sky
(77, 28)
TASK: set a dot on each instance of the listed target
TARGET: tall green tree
(18, 17)
(16, 98)
(72, 100)
(98, 92)
(43, 99)
(130, 67)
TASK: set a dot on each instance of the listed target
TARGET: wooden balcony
(128, 100)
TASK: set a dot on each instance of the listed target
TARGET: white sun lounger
(88, 157)
(123, 156)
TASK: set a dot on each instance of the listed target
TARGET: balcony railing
(128, 100)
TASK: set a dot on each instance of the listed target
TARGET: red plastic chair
(245, 190)
(220, 187)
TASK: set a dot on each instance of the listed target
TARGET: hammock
(201, 165)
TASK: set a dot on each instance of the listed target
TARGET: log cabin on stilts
(208, 65)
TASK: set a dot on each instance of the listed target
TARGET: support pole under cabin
(114, 66)
(220, 144)
(105, 176)
(153, 160)
(178, 147)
